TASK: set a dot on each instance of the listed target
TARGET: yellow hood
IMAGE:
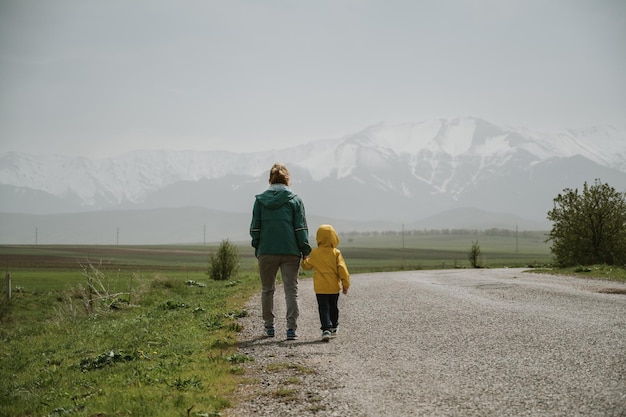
(327, 237)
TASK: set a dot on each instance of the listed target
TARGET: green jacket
(279, 223)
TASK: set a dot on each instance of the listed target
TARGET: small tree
(590, 227)
(474, 255)
(225, 263)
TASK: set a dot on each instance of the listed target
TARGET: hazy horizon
(100, 79)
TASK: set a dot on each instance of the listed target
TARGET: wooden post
(8, 285)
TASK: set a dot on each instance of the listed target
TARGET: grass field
(389, 252)
(362, 252)
(155, 336)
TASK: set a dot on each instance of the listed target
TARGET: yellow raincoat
(330, 271)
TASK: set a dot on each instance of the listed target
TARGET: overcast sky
(100, 78)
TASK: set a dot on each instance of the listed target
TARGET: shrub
(225, 263)
(474, 255)
(590, 227)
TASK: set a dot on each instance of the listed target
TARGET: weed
(474, 255)
(173, 305)
(235, 327)
(293, 380)
(104, 359)
(163, 282)
(286, 394)
(237, 314)
(607, 272)
(186, 384)
(193, 283)
(222, 343)
(612, 291)
(238, 358)
(237, 370)
(99, 294)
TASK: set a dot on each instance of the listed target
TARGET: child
(329, 276)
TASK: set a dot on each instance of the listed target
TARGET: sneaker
(269, 332)
(325, 335)
(291, 334)
(333, 332)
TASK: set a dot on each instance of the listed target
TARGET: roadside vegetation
(149, 331)
(589, 227)
(600, 271)
(98, 340)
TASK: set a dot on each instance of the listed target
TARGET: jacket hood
(275, 196)
(327, 237)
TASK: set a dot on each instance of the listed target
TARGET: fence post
(8, 285)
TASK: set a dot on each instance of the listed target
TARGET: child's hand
(345, 291)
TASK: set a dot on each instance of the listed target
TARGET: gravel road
(486, 342)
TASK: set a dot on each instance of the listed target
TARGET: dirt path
(445, 343)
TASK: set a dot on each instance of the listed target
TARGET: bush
(474, 255)
(225, 263)
(589, 228)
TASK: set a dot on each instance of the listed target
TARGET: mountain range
(384, 175)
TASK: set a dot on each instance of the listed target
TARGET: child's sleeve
(342, 271)
(306, 263)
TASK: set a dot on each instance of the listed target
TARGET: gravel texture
(487, 342)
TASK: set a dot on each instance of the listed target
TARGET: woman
(280, 238)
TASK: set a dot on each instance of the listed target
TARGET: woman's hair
(279, 174)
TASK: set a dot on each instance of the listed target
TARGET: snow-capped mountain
(394, 172)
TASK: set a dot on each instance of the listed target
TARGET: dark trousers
(329, 312)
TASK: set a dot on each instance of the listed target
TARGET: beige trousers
(289, 266)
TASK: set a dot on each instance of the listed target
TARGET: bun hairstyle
(280, 175)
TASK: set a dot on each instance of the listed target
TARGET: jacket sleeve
(255, 225)
(306, 263)
(300, 227)
(342, 271)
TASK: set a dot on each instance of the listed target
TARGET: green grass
(162, 339)
(511, 242)
(436, 250)
(166, 347)
(606, 272)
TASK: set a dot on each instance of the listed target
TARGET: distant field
(505, 241)
(442, 250)
(375, 252)
(118, 257)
